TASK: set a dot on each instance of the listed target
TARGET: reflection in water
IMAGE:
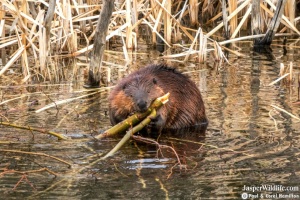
(247, 142)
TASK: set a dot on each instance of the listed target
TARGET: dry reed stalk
(124, 47)
(42, 47)
(290, 11)
(241, 38)
(2, 14)
(235, 12)
(184, 29)
(154, 13)
(184, 7)
(158, 34)
(234, 52)
(64, 28)
(232, 5)
(185, 53)
(225, 20)
(168, 22)
(22, 23)
(177, 34)
(48, 22)
(8, 42)
(202, 47)
(146, 15)
(81, 10)
(135, 17)
(84, 16)
(2, 35)
(157, 24)
(17, 54)
(71, 33)
(271, 14)
(284, 18)
(26, 70)
(211, 7)
(218, 53)
(245, 17)
(192, 45)
(193, 4)
(284, 73)
(216, 17)
(116, 32)
(129, 38)
(33, 34)
(281, 71)
(290, 79)
(9, 100)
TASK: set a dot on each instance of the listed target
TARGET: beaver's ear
(124, 87)
(154, 81)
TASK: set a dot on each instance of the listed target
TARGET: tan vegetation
(35, 35)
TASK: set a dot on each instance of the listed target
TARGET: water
(247, 144)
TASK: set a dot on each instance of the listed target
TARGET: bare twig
(36, 154)
(59, 136)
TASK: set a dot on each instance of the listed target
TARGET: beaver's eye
(154, 81)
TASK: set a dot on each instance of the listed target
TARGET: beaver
(137, 91)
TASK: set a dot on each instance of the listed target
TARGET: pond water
(249, 144)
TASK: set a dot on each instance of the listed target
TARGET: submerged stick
(134, 119)
(59, 136)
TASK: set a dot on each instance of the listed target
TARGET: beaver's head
(143, 90)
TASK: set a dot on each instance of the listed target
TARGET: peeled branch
(136, 118)
(129, 133)
(152, 109)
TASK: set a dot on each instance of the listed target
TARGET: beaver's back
(184, 109)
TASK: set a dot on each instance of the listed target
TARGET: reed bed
(36, 35)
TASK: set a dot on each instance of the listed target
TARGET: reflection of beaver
(136, 92)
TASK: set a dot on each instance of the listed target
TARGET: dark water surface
(248, 142)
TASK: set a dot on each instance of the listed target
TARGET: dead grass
(26, 31)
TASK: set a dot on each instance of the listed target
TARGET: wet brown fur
(184, 109)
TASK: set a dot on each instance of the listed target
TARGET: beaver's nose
(142, 106)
